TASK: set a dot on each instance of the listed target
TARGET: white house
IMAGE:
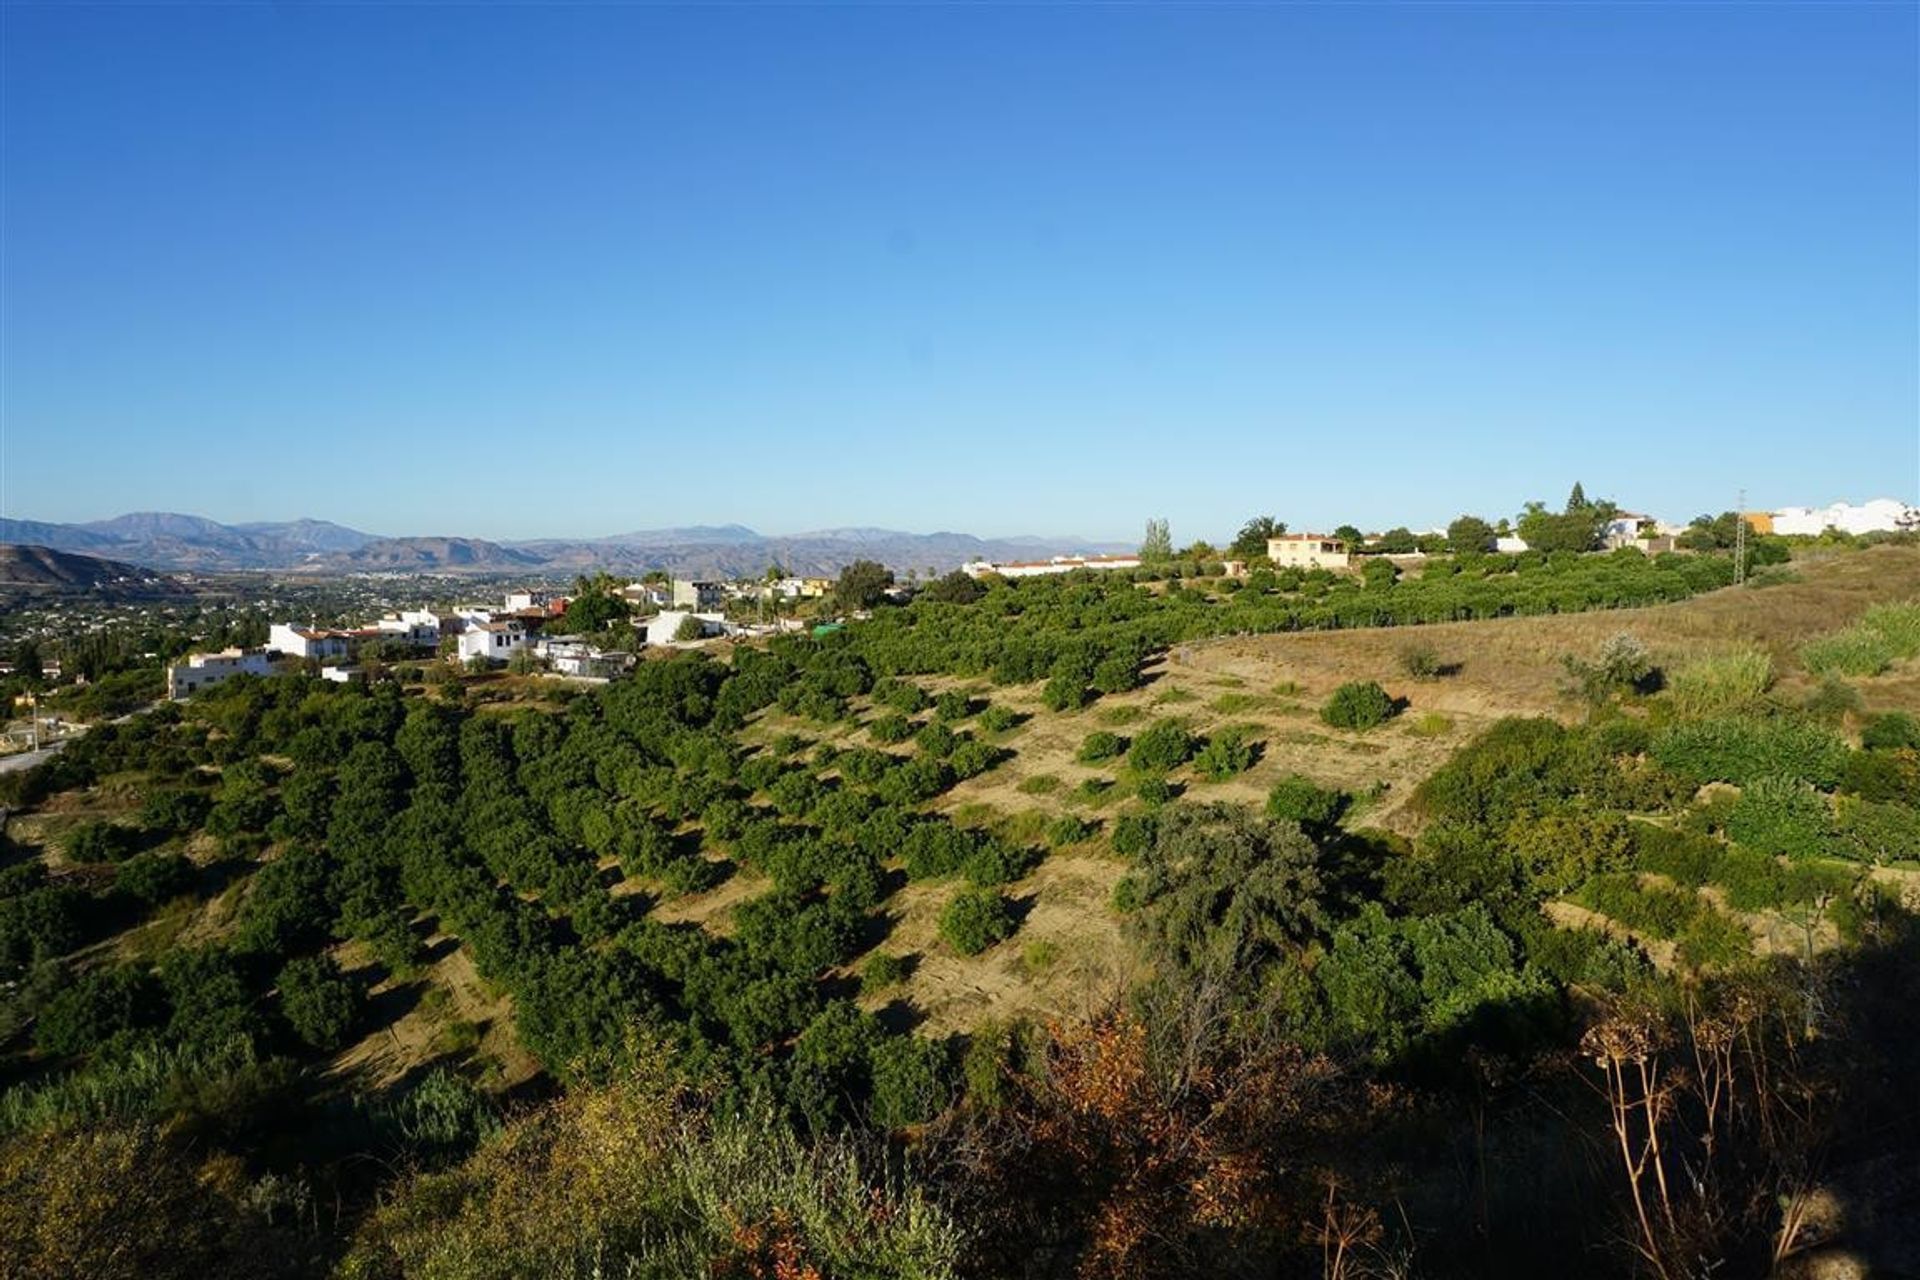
(663, 627)
(1880, 515)
(204, 670)
(1040, 568)
(494, 641)
(572, 656)
(523, 601)
(1508, 544)
(306, 642)
(418, 627)
(646, 595)
(1628, 529)
(1307, 551)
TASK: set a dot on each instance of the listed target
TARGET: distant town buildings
(1880, 515)
(204, 670)
(1039, 568)
(1307, 551)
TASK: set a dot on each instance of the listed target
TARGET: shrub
(1714, 940)
(881, 971)
(1880, 833)
(101, 842)
(902, 695)
(1040, 784)
(999, 719)
(318, 1001)
(1154, 791)
(952, 705)
(1421, 662)
(1164, 747)
(1101, 745)
(937, 740)
(1891, 732)
(1066, 692)
(1132, 834)
(1721, 684)
(1833, 700)
(1781, 816)
(1741, 749)
(912, 1081)
(1752, 881)
(891, 728)
(153, 878)
(1067, 829)
(1228, 751)
(1359, 704)
(976, 919)
(1298, 798)
(1898, 625)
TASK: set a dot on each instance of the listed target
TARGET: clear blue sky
(528, 271)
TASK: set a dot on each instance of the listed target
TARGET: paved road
(27, 759)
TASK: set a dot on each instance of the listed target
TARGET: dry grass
(421, 1034)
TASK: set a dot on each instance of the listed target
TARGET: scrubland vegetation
(307, 979)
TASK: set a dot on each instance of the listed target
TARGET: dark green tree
(863, 584)
(1251, 541)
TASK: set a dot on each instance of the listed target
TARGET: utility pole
(1740, 540)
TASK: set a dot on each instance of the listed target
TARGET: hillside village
(528, 628)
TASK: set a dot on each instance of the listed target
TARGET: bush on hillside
(975, 920)
(1359, 704)
(1298, 798)
(1162, 748)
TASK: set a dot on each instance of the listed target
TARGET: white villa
(204, 670)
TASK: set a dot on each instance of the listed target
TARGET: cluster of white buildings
(495, 633)
(1040, 568)
(1878, 515)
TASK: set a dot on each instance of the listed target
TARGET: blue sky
(529, 271)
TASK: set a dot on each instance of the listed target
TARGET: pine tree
(1577, 500)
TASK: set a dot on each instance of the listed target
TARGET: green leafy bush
(1298, 798)
(1359, 704)
(1742, 749)
(1781, 816)
(1101, 745)
(891, 728)
(1891, 731)
(881, 971)
(999, 719)
(318, 1001)
(1227, 751)
(976, 919)
(1162, 748)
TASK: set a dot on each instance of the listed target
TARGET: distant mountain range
(182, 543)
(33, 570)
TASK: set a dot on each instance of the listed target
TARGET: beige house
(1307, 551)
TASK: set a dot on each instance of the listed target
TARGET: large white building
(494, 641)
(664, 628)
(1307, 551)
(204, 670)
(306, 642)
(1880, 515)
(418, 627)
(1040, 568)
